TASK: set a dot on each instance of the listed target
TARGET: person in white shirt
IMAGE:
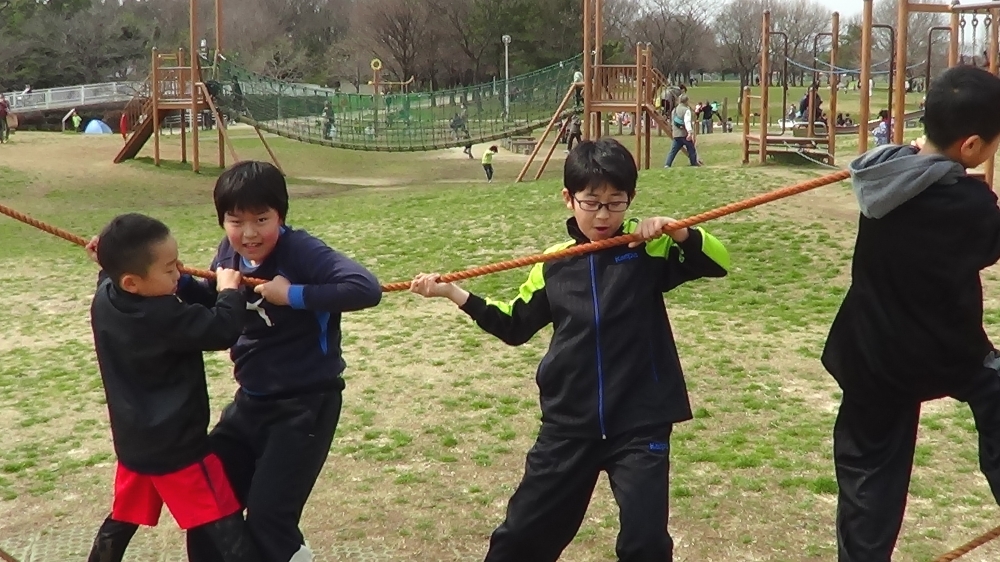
(682, 126)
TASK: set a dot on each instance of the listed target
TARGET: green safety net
(395, 121)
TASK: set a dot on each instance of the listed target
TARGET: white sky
(846, 8)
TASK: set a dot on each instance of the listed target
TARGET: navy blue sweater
(295, 349)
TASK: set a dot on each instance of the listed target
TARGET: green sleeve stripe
(534, 283)
(711, 247)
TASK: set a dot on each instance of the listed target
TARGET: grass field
(438, 415)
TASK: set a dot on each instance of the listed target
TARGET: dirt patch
(367, 181)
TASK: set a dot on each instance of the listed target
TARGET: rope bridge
(580, 249)
(393, 121)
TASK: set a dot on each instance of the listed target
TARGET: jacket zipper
(597, 333)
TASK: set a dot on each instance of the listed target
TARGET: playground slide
(138, 138)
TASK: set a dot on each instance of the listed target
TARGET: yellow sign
(376, 64)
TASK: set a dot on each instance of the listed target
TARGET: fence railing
(72, 96)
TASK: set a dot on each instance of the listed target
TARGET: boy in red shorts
(149, 346)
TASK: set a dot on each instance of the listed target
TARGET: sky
(846, 8)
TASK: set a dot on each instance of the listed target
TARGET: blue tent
(97, 127)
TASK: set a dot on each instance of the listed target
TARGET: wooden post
(218, 56)
(548, 128)
(994, 64)
(831, 123)
(953, 40)
(746, 124)
(765, 74)
(195, 161)
(647, 99)
(181, 88)
(555, 143)
(588, 71)
(600, 117)
(866, 74)
(899, 78)
(637, 122)
(154, 90)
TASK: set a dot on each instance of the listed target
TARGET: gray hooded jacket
(891, 175)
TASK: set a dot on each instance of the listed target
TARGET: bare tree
(739, 34)
(802, 21)
(399, 29)
(884, 12)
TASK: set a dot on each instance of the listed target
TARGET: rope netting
(394, 120)
(580, 249)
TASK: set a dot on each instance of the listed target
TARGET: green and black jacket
(612, 364)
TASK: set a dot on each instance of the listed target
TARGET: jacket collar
(574, 231)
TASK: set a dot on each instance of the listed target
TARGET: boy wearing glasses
(611, 384)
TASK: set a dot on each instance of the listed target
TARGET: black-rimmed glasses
(594, 206)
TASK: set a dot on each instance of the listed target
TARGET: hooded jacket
(911, 324)
(612, 364)
(149, 350)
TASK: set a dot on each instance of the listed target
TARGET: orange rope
(629, 238)
(519, 262)
(969, 546)
(80, 241)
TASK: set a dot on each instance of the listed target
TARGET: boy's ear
(129, 283)
(567, 198)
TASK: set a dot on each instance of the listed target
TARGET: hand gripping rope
(729, 209)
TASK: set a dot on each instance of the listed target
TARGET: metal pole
(831, 117)
(506, 76)
(994, 66)
(195, 160)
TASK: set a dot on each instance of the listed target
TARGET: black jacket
(612, 364)
(149, 350)
(911, 324)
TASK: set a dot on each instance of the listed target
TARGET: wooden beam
(866, 74)
(973, 7)
(899, 80)
(765, 76)
(545, 134)
(834, 83)
(926, 8)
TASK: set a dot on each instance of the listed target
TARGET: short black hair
(251, 186)
(595, 163)
(126, 245)
(963, 101)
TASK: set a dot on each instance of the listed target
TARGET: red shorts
(195, 495)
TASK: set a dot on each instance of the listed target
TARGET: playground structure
(956, 30)
(821, 148)
(175, 86)
(607, 89)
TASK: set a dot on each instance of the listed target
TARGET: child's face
(253, 234)
(162, 276)
(599, 212)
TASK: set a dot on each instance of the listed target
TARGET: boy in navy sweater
(275, 436)
(910, 328)
(149, 347)
(611, 384)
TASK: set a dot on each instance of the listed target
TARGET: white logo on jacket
(255, 306)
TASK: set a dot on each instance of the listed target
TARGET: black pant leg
(230, 539)
(983, 398)
(298, 435)
(549, 504)
(232, 440)
(873, 447)
(111, 541)
(638, 466)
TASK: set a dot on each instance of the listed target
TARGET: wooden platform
(816, 148)
(780, 139)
